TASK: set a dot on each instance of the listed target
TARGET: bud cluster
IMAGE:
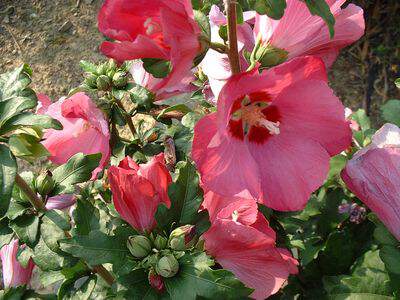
(44, 183)
(106, 76)
(160, 254)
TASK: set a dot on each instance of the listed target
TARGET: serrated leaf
(86, 216)
(8, 171)
(322, 9)
(140, 95)
(96, 248)
(30, 119)
(391, 111)
(196, 279)
(14, 83)
(54, 223)
(78, 169)
(77, 289)
(186, 197)
(27, 229)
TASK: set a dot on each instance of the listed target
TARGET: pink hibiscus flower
(13, 273)
(160, 29)
(373, 175)
(84, 130)
(272, 136)
(139, 189)
(242, 242)
(300, 33)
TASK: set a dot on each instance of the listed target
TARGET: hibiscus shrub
(208, 158)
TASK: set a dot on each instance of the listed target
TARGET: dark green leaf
(322, 9)
(15, 83)
(273, 8)
(54, 223)
(27, 229)
(86, 216)
(14, 106)
(203, 23)
(27, 147)
(78, 169)
(8, 170)
(186, 197)
(96, 248)
(30, 119)
(6, 233)
(46, 259)
(391, 257)
(140, 96)
(196, 279)
(80, 289)
(391, 111)
(178, 107)
(159, 68)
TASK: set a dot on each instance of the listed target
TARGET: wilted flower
(156, 282)
(84, 129)
(357, 213)
(13, 273)
(373, 176)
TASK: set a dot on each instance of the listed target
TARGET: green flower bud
(160, 242)
(270, 56)
(103, 83)
(139, 246)
(102, 69)
(90, 80)
(182, 238)
(44, 183)
(120, 79)
(167, 266)
(112, 65)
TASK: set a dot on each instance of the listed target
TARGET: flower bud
(139, 246)
(167, 266)
(156, 282)
(120, 80)
(112, 65)
(44, 183)
(103, 83)
(270, 56)
(90, 80)
(182, 238)
(160, 242)
(102, 69)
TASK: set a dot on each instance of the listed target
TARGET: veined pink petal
(60, 201)
(44, 103)
(13, 273)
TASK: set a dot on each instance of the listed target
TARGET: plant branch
(104, 273)
(32, 196)
(233, 52)
(128, 118)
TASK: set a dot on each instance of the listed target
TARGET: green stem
(32, 196)
(128, 118)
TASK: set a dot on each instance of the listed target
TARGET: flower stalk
(233, 52)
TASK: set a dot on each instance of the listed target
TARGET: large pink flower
(272, 135)
(300, 33)
(373, 175)
(13, 273)
(139, 189)
(241, 241)
(161, 29)
(85, 129)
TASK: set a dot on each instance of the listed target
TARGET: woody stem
(233, 53)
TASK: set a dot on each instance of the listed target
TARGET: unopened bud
(103, 83)
(182, 238)
(167, 266)
(270, 56)
(156, 282)
(160, 242)
(44, 183)
(139, 246)
(120, 80)
(90, 80)
(102, 69)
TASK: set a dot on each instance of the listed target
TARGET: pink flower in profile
(62, 201)
(159, 29)
(145, 79)
(139, 189)
(373, 175)
(242, 242)
(272, 136)
(13, 273)
(85, 129)
(300, 33)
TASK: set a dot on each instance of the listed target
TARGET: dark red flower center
(255, 117)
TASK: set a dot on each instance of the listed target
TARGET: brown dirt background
(32, 31)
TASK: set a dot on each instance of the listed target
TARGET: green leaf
(74, 289)
(186, 197)
(322, 9)
(6, 233)
(14, 293)
(159, 68)
(30, 119)
(88, 66)
(273, 8)
(196, 279)
(203, 23)
(383, 236)
(137, 286)
(27, 229)
(337, 164)
(46, 259)
(54, 223)
(140, 95)
(15, 83)
(178, 107)
(397, 83)
(391, 257)
(97, 248)
(14, 106)
(86, 216)
(391, 111)
(8, 170)
(27, 147)
(78, 169)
